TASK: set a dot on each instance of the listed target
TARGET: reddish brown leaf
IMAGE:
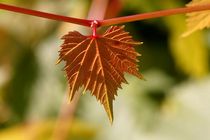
(99, 63)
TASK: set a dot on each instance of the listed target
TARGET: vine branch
(155, 14)
(85, 22)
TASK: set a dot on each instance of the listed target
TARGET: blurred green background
(171, 105)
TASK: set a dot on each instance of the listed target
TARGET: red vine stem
(83, 22)
(107, 22)
(154, 14)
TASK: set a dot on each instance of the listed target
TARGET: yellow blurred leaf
(44, 130)
(190, 53)
(197, 20)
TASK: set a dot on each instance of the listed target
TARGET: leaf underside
(98, 63)
(197, 20)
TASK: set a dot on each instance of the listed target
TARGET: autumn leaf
(197, 20)
(98, 63)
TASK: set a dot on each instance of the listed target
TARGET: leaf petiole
(94, 26)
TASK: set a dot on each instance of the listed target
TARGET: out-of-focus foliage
(191, 56)
(43, 131)
(170, 105)
(21, 83)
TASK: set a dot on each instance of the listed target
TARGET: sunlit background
(172, 104)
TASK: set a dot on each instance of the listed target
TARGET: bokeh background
(172, 104)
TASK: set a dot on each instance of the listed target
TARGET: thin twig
(66, 114)
(16, 9)
(155, 14)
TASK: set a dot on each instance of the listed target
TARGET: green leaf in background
(190, 53)
(19, 88)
